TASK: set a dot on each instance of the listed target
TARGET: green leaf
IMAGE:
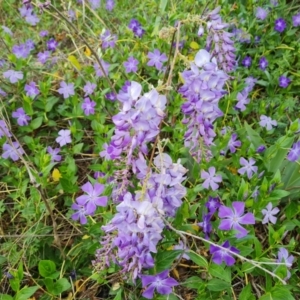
(2, 259)
(47, 268)
(20, 271)
(164, 259)
(15, 284)
(198, 259)
(278, 195)
(56, 288)
(26, 293)
(68, 186)
(278, 293)
(217, 285)
(77, 148)
(243, 191)
(255, 138)
(193, 282)
(5, 297)
(218, 271)
(51, 101)
(119, 295)
(36, 123)
(246, 293)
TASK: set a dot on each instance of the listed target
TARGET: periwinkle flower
(131, 65)
(20, 115)
(108, 40)
(159, 282)
(248, 168)
(111, 96)
(110, 4)
(284, 81)
(243, 100)
(294, 153)
(247, 61)
(261, 149)
(206, 224)
(98, 70)
(31, 89)
(54, 154)
(267, 122)
(156, 59)
(43, 33)
(13, 151)
(43, 56)
(261, 13)
(296, 20)
(89, 88)
(21, 51)
(4, 131)
(213, 204)
(182, 246)
(52, 44)
(269, 213)
(13, 76)
(280, 25)
(233, 218)
(233, 143)
(211, 179)
(88, 106)
(66, 89)
(284, 257)
(136, 27)
(219, 255)
(64, 137)
(95, 4)
(263, 63)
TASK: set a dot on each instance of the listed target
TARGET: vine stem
(252, 262)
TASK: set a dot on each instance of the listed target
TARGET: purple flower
(134, 24)
(95, 4)
(64, 137)
(12, 152)
(283, 257)
(155, 58)
(260, 149)
(248, 167)
(294, 153)
(3, 93)
(263, 63)
(110, 152)
(44, 33)
(219, 255)
(3, 129)
(246, 62)
(131, 65)
(91, 199)
(52, 44)
(261, 13)
(31, 89)
(210, 178)
(296, 20)
(13, 76)
(269, 213)
(267, 122)
(21, 51)
(233, 143)
(111, 96)
(110, 4)
(284, 81)
(54, 154)
(213, 204)
(66, 89)
(32, 19)
(206, 224)
(89, 88)
(71, 15)
(160, 282)
(233, 218)
(98, 70)
(20, 115)
(7, 30)
(242, 100)
(181, 246)
(108, 40)
(138, 31)
(280, 25)
(88, 106)
(80, 214)
(43, 56)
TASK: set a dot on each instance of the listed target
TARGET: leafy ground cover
(149, 150)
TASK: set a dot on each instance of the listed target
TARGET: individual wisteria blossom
(280, 25)
(98, 70)
(294, 153)
(54, 154)
(136, 27)
(248, 168)
(20, 115)
(156, 59)
(88, 106)
(52, 44)
(211, 179)
(284, 257)
(12, 151)
(110, 4)
(92, 197)
(64, 137)
(263, 63)
(269, 213)
(95, 4)
(261, 13)
(43, 56)
(4, 131)
(233, 143)
(267, 122)
(234, 218)
(131, 65)
(89, 88)
(284, 81)
(219, 255)
(66, 89)
(44, 33)
(160, 282)
(247, 61)
(296, 20)
(108, 40)
(13, 76)
(31, 89)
